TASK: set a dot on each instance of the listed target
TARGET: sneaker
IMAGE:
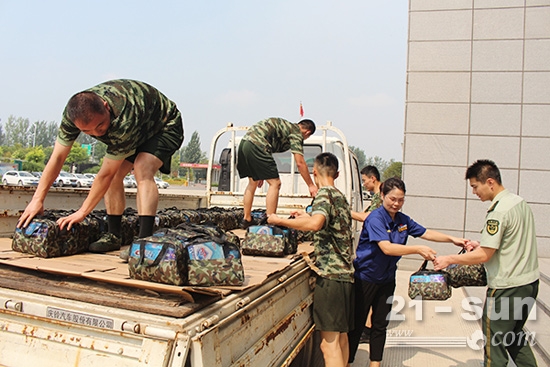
(246, 223)
(107, 242)
(124, 254)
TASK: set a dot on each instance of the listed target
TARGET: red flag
(301, 110)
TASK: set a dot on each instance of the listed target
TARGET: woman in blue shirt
(381, 245)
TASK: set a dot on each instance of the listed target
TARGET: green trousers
(504, 315)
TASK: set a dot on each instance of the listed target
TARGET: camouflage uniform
(275, 135)
(138, 113)
(375, 202)
(334, 243)
(272, 135)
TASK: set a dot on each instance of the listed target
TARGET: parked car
(129, 181)
(66, 179)
(19, 178)
(91, 176)
(83, 180)
(37, 174)
(161, 184)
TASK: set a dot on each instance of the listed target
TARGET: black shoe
(107, 242)
(246, 223)
(365, 335)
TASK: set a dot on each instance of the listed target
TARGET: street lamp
(34, 134)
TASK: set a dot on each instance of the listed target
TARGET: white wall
(478, 87)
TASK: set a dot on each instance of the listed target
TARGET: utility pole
(34, 134)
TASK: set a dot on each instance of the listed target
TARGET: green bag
(466, 275)
(429, 284)
(264, 240)
(159, 258)
(186, 255)
(213, 262)
(43, 237)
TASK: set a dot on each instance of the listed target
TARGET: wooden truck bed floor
(104, 278)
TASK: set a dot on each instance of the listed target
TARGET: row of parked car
(130, 181)
(24, 178)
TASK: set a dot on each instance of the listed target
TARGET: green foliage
(192, 151)
(393, 170)
(35, 155)
(77, 155)
(34, 159)
(33, 166)
(17, 131)
(19, 152)
(2, 135)
(360, 154)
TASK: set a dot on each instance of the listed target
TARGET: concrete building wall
(478, 87)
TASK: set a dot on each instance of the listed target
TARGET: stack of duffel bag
(190, 254)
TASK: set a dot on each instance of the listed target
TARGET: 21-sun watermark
(471, 310)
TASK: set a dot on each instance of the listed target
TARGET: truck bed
(103, 279)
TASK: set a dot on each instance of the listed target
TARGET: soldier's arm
(304, 172)
(51, 171)
(101, 184)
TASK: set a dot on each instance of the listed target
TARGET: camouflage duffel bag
(43, 237)
(159, 258)
(210, 229)
(214, 262)
(429, 284)
(466, 275)
(265, 240)
(291, 240)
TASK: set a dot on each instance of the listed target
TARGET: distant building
(4, 167)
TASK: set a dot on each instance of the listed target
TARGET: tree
(17, 131)
(360, 154)
(34, 159)
(35, 155)
(393, 170)
(378, 162)
(2, 136)
(44, 133)
(77, 155)
(192, 151)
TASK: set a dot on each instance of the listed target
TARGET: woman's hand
(426, 252)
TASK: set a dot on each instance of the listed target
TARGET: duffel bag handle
(423, 266)
(159, 257)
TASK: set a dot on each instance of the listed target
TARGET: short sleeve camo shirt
(276, 135)
(375, 202)
(138, 112)
(333, 243)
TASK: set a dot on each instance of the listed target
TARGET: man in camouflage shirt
(371, 182)
(142, 129)
(330, 219)
(255, 159)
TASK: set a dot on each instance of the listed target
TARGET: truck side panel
(264, 331)
(43, 342)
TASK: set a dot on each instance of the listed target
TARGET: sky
(221, 61)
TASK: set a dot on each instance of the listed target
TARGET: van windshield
(284, 159)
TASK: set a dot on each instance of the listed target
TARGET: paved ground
(431, 333)
(437, 333)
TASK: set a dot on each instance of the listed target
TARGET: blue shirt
(371, 264)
